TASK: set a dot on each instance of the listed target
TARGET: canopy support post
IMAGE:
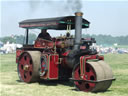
(27, 36)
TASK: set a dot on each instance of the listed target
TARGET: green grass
(10, 86)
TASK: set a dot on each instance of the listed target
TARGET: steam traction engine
(63, 57)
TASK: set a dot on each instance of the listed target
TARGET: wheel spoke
(22, 61)
(28, 60)
(28, 77)
(21, 71)
(30, 68)
(21, 68)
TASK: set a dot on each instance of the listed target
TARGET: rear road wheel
(28, 66)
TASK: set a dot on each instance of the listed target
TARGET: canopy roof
(59, 23)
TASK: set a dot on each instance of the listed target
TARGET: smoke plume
(73, 6)
(67, 7)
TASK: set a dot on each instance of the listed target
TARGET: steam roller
(64, 57)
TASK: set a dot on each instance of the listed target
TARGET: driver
(44, 35)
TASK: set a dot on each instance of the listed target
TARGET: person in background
(44, 35)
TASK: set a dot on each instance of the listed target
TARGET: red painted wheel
(94, 71)
(28, 66)
(90, 75)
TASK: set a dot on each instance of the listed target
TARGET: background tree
(19, 39)
(107, 40)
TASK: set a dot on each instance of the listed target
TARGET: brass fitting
(79, 14)
(26, 67)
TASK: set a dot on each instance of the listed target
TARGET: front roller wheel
(94, 71)
(28, 66)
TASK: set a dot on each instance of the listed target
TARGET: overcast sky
(108, 17)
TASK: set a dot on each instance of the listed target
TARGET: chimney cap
(78, 13)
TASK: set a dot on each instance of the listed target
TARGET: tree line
(108, 39)
(100, 39)
(19, 39)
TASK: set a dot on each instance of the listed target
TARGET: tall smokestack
(78, 29)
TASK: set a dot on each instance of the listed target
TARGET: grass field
(10, 85)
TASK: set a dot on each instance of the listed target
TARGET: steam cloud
(70, 6)
(74, 6)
